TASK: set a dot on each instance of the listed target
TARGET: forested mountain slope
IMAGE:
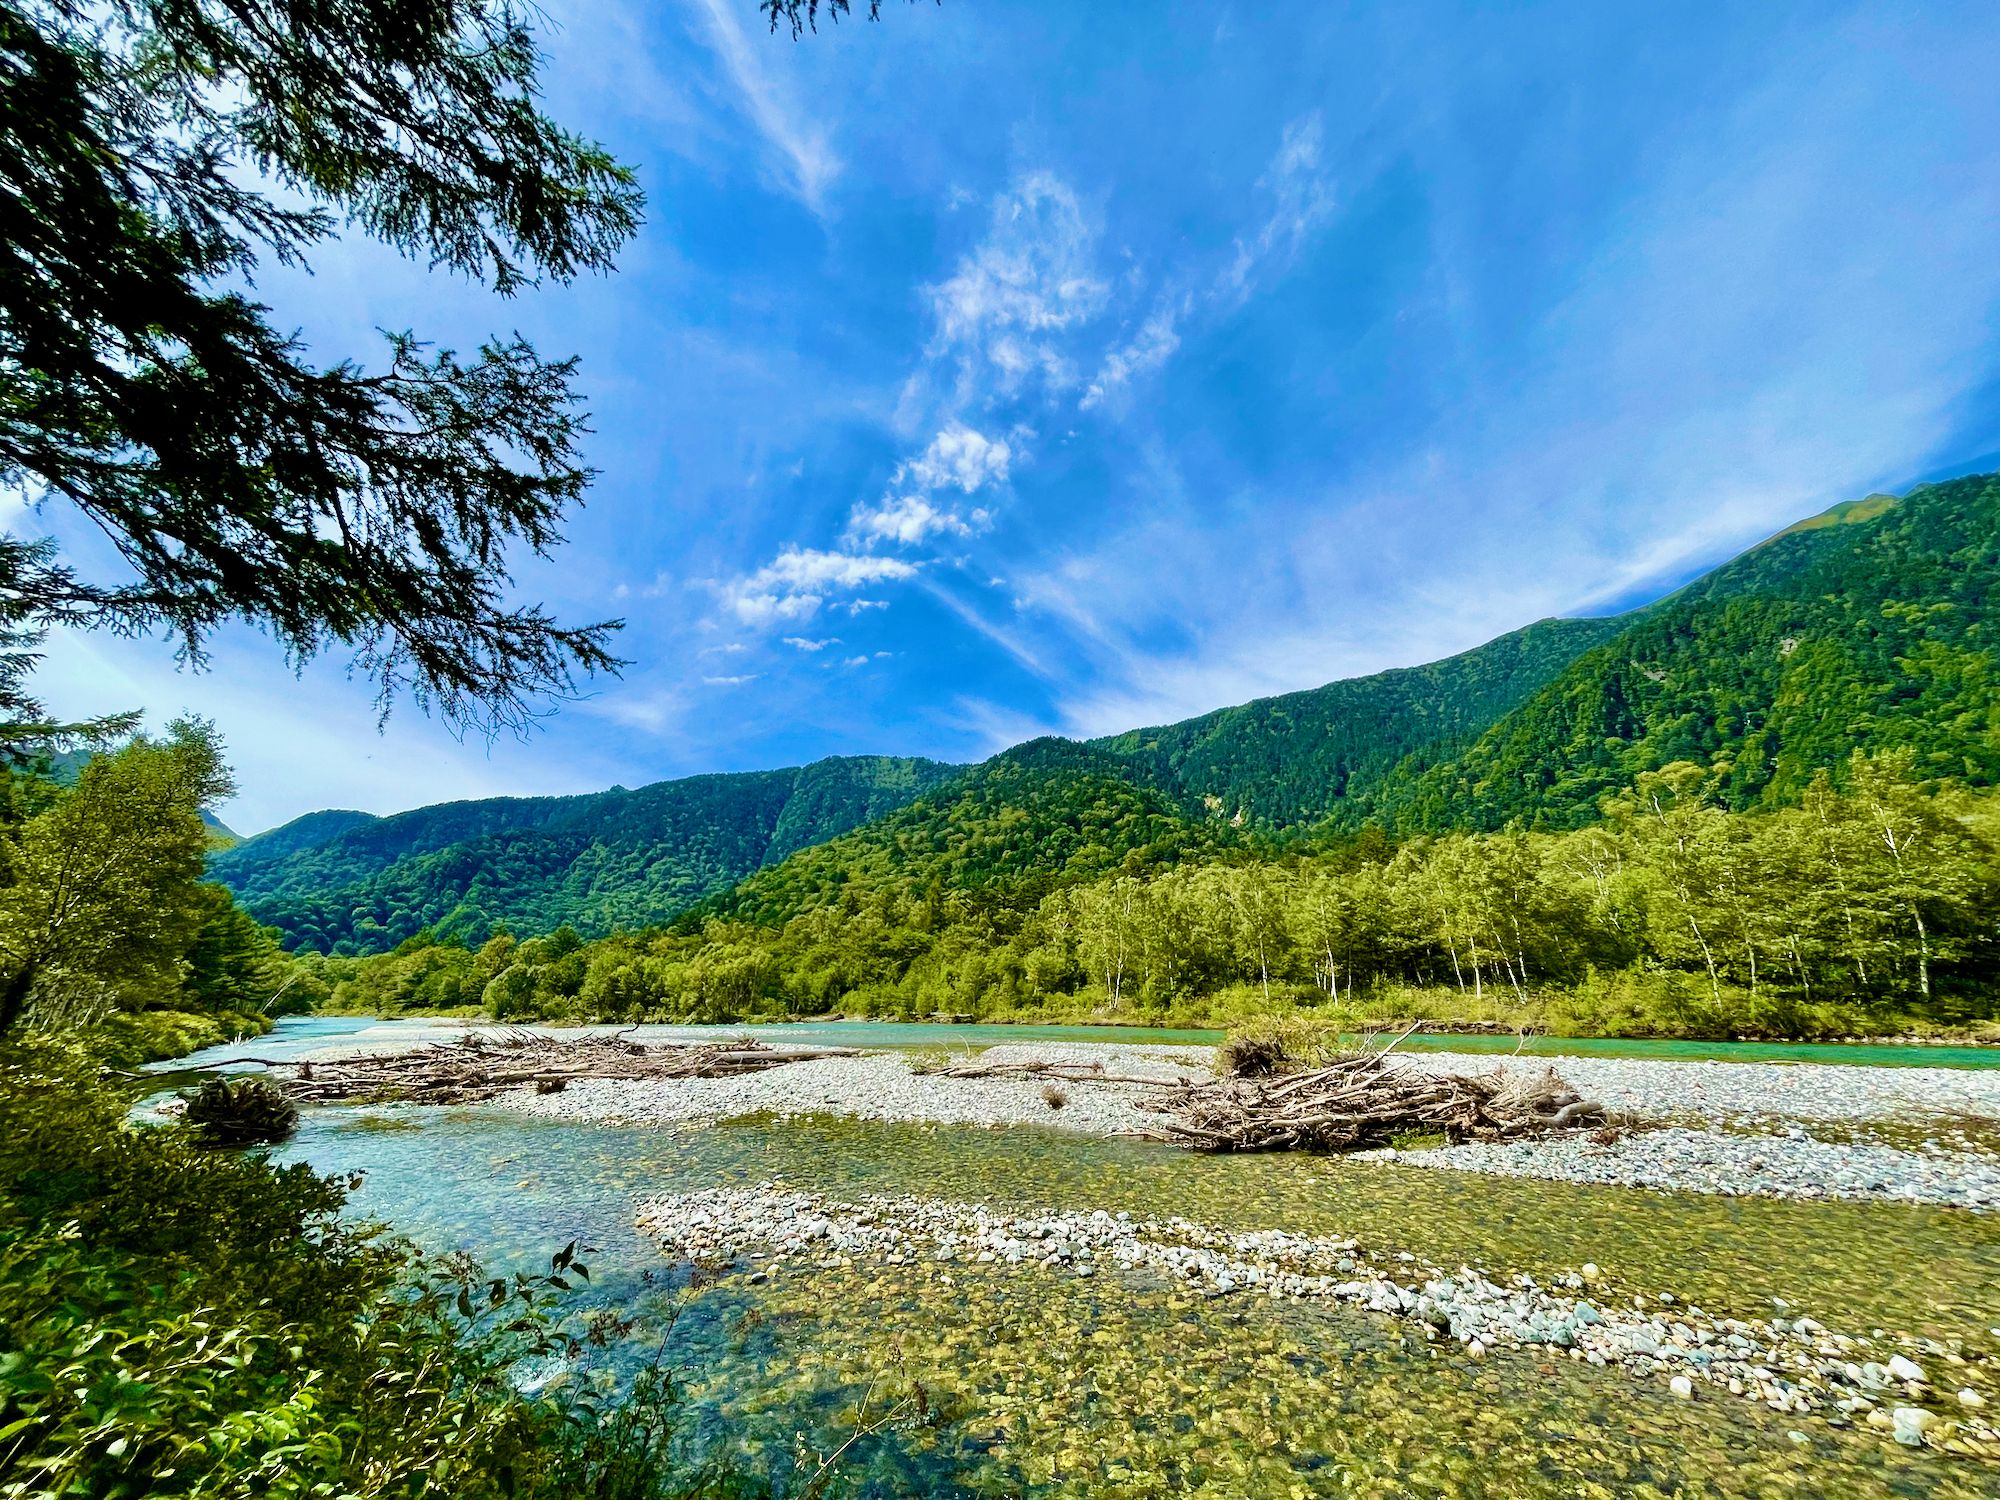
(1869, 627)
(1041, 814)
(349, 882)
(1865, 627)
(1296, 758)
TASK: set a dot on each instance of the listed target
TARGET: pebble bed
(1708, 1161)
(883, 1086)
(1919, 1392)
(1755, 1147)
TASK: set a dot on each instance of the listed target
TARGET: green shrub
(180, 1321)
(240, 1112)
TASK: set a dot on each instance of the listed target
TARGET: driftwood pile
(483, 1065)
(1366, 1100)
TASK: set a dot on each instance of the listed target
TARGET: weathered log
(480, 1066)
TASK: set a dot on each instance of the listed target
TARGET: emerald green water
(1038, 1384)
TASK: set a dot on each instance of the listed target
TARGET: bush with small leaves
(241, 1112)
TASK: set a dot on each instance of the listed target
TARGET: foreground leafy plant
(179, 1321)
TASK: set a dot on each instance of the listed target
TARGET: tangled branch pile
(482, 1065)
(1367, 1100)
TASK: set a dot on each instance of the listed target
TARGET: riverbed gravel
(1788, 1362)
(1732, 1165)
(885, 1086)
(1737, 1128)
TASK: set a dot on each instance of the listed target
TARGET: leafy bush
(241, 1112)
(130, 1039)
(180, 1321)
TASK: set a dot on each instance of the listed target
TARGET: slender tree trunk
(1923, 952)
(1708, 957)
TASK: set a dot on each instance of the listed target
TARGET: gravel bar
(1771, 1100)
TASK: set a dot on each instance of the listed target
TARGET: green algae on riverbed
(1035, 1383)
(1049, 1385)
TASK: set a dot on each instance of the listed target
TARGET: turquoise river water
(1039, 1384)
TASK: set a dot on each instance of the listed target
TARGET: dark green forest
(346, 882)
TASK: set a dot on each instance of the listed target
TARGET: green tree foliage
(153, 154)
(104, 920)
(101, 905)
(1869, 628)
(1039, 815)
(1869, 906)
(344, 882)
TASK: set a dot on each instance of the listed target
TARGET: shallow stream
(1039, 1383)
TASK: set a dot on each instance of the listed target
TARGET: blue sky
(998, 370)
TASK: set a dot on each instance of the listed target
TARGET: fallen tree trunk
(1363, 1101)
(483, 1065)
(1092, 1072)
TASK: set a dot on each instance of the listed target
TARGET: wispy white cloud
(961, 458)
(1006, 639)
(1148, 349)
(911, 519)
(795, 583)
(1301, 196)
(1034, 277)
(800, 643)
(736, 681)
(807, 160)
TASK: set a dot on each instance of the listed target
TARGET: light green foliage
(1868, 907)
(103, 919)
(101, 905)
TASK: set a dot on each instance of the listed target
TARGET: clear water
(1041, 1385)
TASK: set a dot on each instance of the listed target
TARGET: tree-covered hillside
(1867, 628)
(1033, 817)
(1864, 628)
(1298, 757)
(345, 882)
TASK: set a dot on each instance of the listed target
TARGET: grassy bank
(131, 1039)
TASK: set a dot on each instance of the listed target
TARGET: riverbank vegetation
(105, 922)
(176, 1319)
(1868, 908)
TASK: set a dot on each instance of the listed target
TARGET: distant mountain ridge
(1866, 626)
(1870, 626)
(353, 882)
(1297, 758)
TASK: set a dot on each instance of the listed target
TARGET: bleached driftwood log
(484, 1064)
